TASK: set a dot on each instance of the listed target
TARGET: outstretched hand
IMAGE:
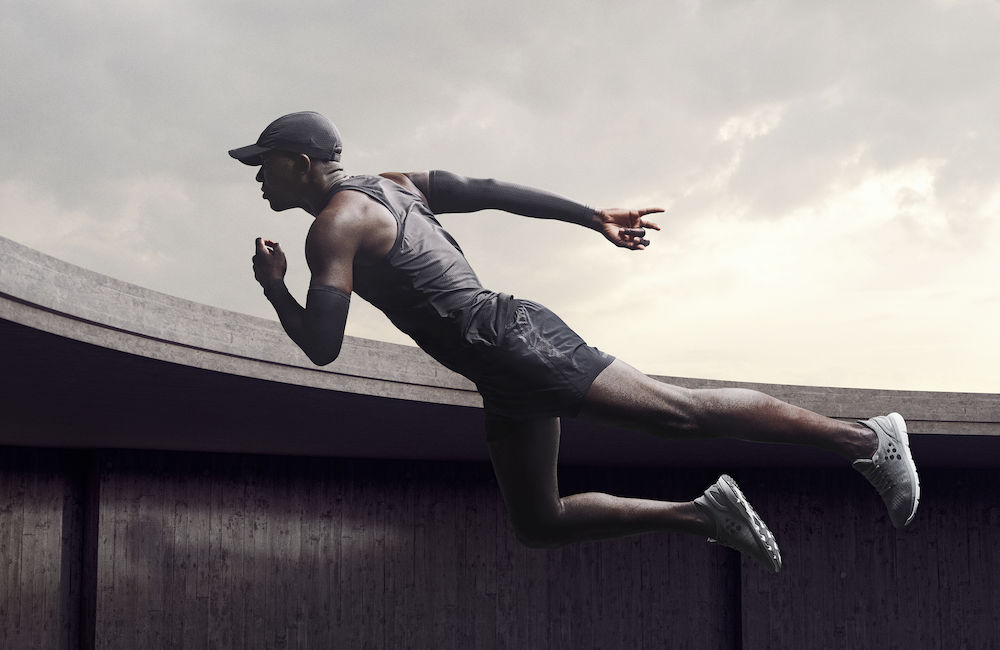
(627, 228)
(269, 263)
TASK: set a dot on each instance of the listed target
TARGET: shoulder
(352, 223)
(414, 182)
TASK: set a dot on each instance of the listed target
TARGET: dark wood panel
(850, 580)
(40, 531)
(215, 551)
(230, 551)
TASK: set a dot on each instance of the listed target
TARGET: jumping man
(378, 236)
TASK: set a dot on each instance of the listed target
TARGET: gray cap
(306, 132)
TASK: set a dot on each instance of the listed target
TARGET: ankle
(862, 443)
(700, 520)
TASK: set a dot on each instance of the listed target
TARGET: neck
(333, 178)
(325, 188)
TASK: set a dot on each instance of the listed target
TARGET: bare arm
(448, 192)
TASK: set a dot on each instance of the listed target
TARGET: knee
(627, 397)
(677, 411)
(714, 412)
(541, 532)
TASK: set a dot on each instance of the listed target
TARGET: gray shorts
(538, 366)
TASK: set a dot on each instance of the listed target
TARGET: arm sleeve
(448, 192)
(319, 328)
(324, 320)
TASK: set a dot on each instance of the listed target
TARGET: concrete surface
(51, 297)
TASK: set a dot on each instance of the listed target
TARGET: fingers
(636, 237)
(265, 251)
(633, 238)
(266, 246)
(647, 223)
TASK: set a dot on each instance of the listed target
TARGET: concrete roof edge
(55, 296)
(51, 295)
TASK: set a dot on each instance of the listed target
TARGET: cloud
(793, 143)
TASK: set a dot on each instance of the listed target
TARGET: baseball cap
(305, 132)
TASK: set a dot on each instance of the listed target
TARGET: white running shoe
(737, 524)
(891, 469)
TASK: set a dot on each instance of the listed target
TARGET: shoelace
(756, 527)
(881, 480)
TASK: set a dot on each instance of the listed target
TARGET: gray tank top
(424, 284)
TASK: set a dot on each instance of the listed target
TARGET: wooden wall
(126, 549)
(41, 532)
(854, 581)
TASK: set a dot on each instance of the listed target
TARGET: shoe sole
(762, 534)
(900, 426)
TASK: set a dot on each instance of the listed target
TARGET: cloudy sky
(829, 170)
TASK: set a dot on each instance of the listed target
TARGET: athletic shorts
(537, 366)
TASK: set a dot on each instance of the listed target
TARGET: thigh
(624, 396)
(525, 455)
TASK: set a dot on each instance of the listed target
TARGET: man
(377, 236)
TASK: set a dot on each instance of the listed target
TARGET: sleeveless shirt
(424, 284)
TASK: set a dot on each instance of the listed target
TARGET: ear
(302, 164)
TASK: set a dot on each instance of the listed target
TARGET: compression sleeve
(448, 192)
(323, 323)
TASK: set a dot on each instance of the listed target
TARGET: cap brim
(250, 154)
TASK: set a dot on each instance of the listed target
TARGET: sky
(830, 171)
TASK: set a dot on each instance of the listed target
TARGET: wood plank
(320, 552)
(40, 531)
(851, 580)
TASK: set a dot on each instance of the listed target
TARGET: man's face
(280, 182)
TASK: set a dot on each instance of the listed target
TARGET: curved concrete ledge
(53, 296)
(46, 302)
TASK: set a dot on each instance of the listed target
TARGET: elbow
(323, 356)
(322, 332)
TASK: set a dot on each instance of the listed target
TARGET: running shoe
(737, 524)
(891, 469)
